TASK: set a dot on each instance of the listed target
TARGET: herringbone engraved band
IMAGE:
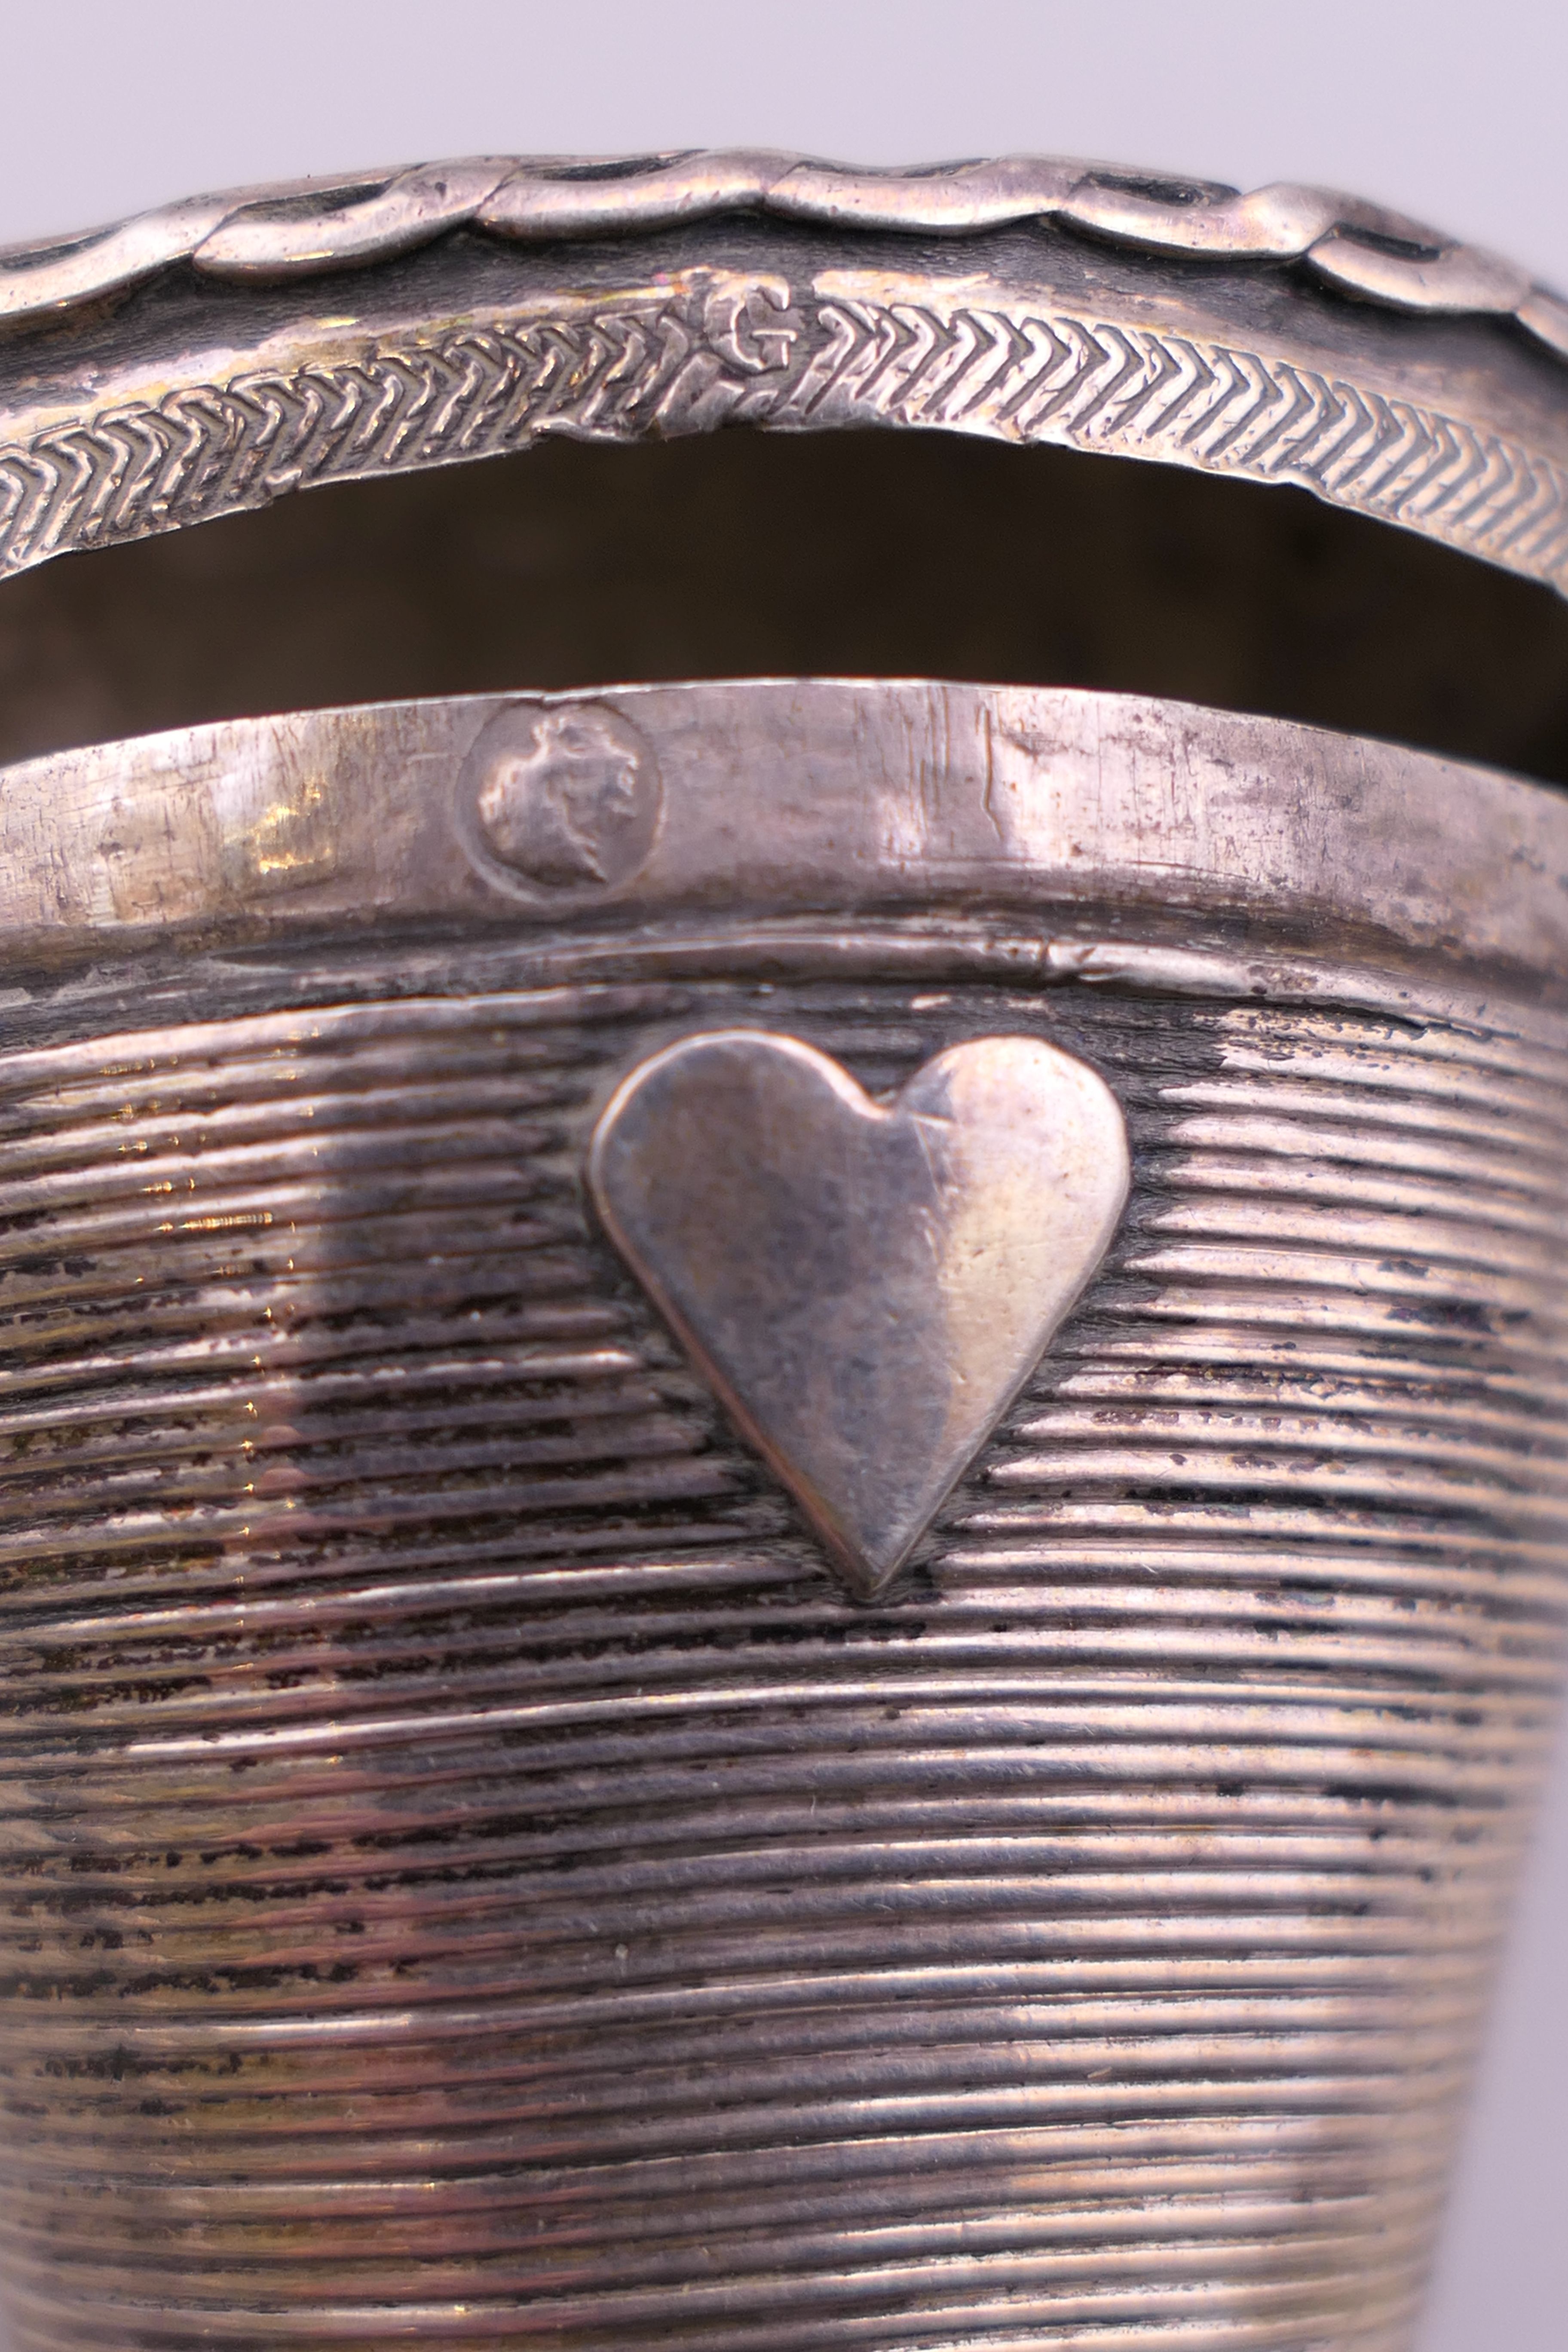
(734, 347)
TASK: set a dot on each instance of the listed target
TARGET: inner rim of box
(874, 553)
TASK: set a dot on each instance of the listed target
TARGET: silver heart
(866, 1285)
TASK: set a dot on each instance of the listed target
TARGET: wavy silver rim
(621, 301)
(781, 801)
(303, 229)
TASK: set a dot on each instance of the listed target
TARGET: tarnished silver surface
(308, 228)
(498, 1196)
(215, 355)
(470, 1876)
(867, 1285)
(782, 800)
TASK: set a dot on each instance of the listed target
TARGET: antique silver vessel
(782, 1460)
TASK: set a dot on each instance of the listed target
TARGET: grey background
(1454, 113)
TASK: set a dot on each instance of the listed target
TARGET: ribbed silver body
(472, 1878)
(582, 1769)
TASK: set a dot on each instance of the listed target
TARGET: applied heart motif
(866, 1285)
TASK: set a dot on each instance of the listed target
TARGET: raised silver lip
(786, 799)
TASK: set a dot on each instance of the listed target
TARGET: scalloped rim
(303, 228)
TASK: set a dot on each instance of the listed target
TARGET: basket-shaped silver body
(473, 1876)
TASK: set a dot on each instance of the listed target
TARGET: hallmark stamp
(564, 800)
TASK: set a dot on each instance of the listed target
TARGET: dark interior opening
(890, 554)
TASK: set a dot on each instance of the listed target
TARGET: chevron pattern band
(726, 347)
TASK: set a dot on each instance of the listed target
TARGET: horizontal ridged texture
(471, 1877)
